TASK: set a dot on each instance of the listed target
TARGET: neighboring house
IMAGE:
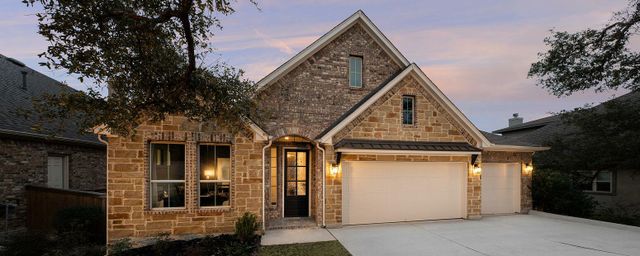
(610, 187)
(63, 159)
(353, 133)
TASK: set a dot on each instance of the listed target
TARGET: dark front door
(296, 185)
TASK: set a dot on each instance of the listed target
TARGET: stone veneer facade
(303, 102)
(24, 162)
(129, 214)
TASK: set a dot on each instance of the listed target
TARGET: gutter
(324, 177)
(106, 208)
(264, 225)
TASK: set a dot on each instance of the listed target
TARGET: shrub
(27, 243)
(246, 226)
(619, 213)
(120, 246)
(82, 224)
(556, 192)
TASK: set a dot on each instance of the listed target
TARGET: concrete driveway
(498, 235)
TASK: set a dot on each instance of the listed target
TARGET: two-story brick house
(354, 134)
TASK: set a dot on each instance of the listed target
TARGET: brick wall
(383, 120)
(24, 162)
(129, 214)
(313, 95)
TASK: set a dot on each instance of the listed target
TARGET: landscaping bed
(222, 245)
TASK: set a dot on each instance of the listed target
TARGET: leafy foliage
(246, 226)
(223, 245)
(84, 224)
(620, 213)
(597, 59)
(598, 138)
(147, 53)
(557, 192)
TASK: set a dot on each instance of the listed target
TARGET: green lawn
(311, 249)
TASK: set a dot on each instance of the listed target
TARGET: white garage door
(500, 188)
(376, 192)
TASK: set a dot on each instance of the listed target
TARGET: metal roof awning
(405, 147)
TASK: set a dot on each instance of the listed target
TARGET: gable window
(355, 72)
(167, 175)
(215, 170)
(601, 183)
(408, 109)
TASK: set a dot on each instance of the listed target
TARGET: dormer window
(408, 108)
(355, 72)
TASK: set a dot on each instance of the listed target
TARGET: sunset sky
(477, 52)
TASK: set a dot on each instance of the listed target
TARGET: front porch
(293, 184)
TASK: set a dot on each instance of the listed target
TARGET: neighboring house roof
(540, 131)
(531, 124)
(357, 17)
(17, 96)
(405, 145)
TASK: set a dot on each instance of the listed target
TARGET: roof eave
(325, 39)
(515, 148)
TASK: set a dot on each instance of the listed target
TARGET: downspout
(106, 207)
(264, 225)
(324, 177)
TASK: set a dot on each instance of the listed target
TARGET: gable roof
(357, 17)
(415, 71)
(15, 97)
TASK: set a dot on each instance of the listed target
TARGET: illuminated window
(215, 170)
(167, 175)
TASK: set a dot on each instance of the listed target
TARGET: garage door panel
(377, 192)
(500, 188)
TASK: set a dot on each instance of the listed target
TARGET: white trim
(327, 138)
(349, 151)
(259, 134)
(316, 46)
(264, 224)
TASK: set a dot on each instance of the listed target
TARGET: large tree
(148, 53)
(605, 137)
(597, 59)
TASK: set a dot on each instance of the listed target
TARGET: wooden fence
(43, 203)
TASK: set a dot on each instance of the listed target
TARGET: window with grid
(215, 180)
(602, 182)
(355, 72)
(167, 175)
(408, 109)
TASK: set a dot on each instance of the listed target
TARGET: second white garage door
(377, 192)
(500, 188)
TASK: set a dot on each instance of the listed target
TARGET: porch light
(528, 168)
(334, 169)
(476, 169)
(209, 173)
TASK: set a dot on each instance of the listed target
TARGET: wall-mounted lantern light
(528, 168)
(334, 169)
(476, 169)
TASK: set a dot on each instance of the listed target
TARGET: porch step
(292, 223)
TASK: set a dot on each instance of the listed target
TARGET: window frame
(199, 181)
(65, 169)
(413, 110)
(594, 183)
(151, 181)
(349, 71)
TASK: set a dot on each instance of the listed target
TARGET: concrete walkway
(296, 236)
(499, 235)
